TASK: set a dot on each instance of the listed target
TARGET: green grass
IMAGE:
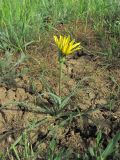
(26, 21)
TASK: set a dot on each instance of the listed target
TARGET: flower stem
(60, 78)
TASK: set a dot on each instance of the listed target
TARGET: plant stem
(60, 78)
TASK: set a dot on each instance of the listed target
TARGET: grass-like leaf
(110, 147)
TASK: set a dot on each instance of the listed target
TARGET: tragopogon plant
(66, 46)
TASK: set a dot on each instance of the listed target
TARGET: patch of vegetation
(24, 22)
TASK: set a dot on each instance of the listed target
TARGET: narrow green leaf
(111, 146)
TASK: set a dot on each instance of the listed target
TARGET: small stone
(9, 139)
(72, 133)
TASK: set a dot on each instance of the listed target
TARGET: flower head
(65, 45)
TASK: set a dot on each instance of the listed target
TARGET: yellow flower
(65, 45)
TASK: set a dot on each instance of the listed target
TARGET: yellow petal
(66, 45)
(56, 39)
(65, 48)
(64, 41)
(72, 42)
(68, 39)
(71, 45)
(75, 45)
(78, 48)
(69, 50)
(60, 41)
